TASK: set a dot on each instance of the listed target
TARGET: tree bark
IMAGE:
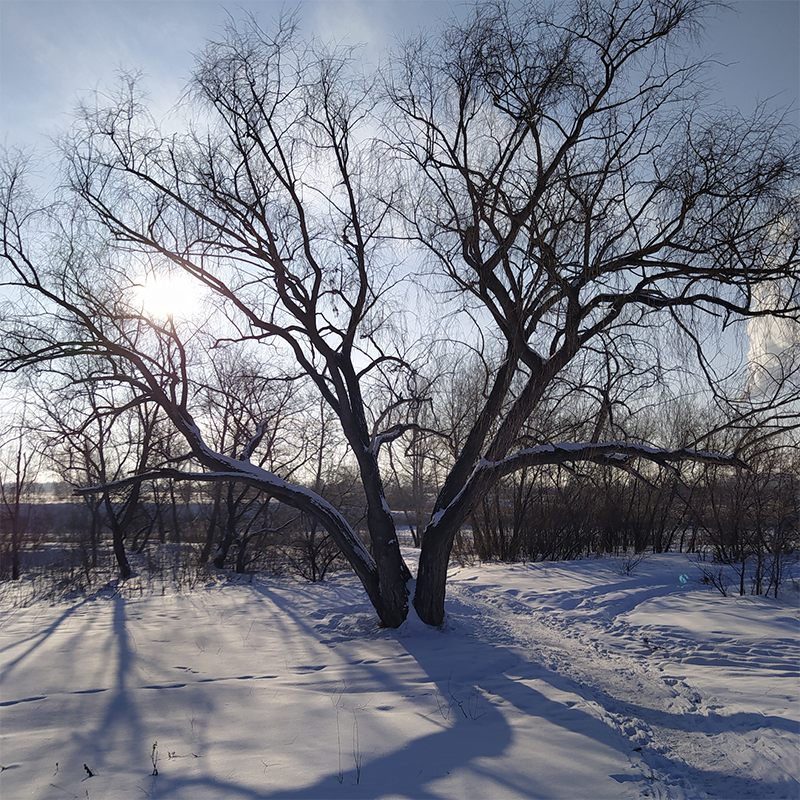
(432, 573)
(393, 574)
(230, 531)
(205, 552)
(118, 540)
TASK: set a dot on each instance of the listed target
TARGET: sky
(53, 51)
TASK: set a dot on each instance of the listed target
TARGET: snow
(564, 680)
(566, 451)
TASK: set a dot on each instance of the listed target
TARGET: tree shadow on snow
(471, 728)
(40, 637)
(473, 735)
(472, 678)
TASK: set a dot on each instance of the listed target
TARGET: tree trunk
(94, 529)
(393, 574)
(432, 574)
(437, 544)
(176, 523)
(205, 552)
(119, 551)
(230, 531)
(118, 539)
(241, 555)
(15, 548)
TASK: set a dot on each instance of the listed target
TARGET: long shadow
(581, 723)
(711, 723)
(466, 740)
(40, 637)
(121, 706)
(459, 742)
(121, 721)
(407, 771)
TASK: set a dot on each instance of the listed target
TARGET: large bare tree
(556, 164)
(574, 185)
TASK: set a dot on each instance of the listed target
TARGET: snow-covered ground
(567, 680)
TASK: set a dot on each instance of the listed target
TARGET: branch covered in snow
(615, 454)
(395, 432)
(298, 497)
(164, 474)
(255, 441)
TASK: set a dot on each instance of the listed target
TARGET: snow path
(658, 689)
(566, 681)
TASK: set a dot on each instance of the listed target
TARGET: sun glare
(175, 296)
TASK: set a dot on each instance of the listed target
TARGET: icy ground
(569, 680)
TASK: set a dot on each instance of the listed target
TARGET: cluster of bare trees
(741, 523)
(548, 178)
(97, 435)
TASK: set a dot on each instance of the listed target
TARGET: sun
(169, 296)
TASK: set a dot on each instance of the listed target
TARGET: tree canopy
(550, 183)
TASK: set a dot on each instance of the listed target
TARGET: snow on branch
(395, 432)
(615, 454)
(163, 474)
(293, 495)
(389, 435)
(255, 441)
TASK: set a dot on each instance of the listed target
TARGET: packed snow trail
(688, 700)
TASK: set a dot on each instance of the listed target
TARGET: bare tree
(94, 436)
(266, 205)
(20, 463)
(556, 165)
(574, 189)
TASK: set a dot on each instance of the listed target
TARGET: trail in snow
(683, 698)
(566, 681)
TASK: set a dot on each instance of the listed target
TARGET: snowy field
(569, 680)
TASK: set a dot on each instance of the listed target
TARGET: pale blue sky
(52, 50)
